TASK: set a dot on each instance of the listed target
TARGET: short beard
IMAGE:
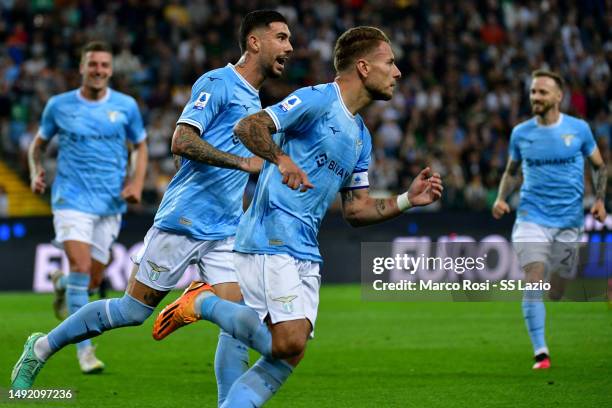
(377, 95)
(545, 109)
(269, 71)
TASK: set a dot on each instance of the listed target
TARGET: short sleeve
(136, 132)
(48, 126)
(514, 151)
(298, 110)
(588, 141)
(359, 178)
(208, 96)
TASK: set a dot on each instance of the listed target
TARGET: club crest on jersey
(113, 115)
(568, 139)
(290, 103)
(202, 101)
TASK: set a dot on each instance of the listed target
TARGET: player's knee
(80, 263)
(127, 311)
(288, 347)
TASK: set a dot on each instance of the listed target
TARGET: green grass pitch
(365, 354)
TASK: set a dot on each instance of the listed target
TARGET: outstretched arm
(359, 209)
(186, 142)
(255, 131)
(600, 181)
(506, 185)
(37, 172)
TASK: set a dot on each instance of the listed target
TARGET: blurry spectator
(4, 204)
(465, 72)
(476, 194)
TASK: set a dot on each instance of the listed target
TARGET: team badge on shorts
(156, 270)
(286, 301)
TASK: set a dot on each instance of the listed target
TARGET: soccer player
(199, 214)
(323, 139)
(551, 148)
(90, 190)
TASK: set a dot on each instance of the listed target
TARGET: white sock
(42, 349)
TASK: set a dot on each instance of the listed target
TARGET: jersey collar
(344, 108)
(81, 98)
(552, 125)
(244, 81)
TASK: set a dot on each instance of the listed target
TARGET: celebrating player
(550, 147)
(322, 140)
(90, 190)
(199, 213)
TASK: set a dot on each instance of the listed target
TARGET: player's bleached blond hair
(355, 43)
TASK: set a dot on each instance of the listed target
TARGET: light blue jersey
(332, 146)
(203, 201)
(92, 157)
(553, 170)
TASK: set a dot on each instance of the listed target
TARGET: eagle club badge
(567, 139)
(113, 115)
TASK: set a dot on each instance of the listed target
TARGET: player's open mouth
(281, 61)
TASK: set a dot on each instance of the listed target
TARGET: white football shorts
(557, 248)
(98, 231)
(164, 258)
(279, 285)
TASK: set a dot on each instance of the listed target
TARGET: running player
(90, 190)
(551, 148)
(277, 257)
(199, 213)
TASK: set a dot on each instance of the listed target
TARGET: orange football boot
(181, 312)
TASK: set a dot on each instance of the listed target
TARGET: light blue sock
(535, 317)
(77, 296)
(258, 384)
(231, 361)
(97, 317)
(240, 321)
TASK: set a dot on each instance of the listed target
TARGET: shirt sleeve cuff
(42, 134)
(274, 119)
(191, 123)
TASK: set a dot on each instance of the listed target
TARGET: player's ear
(363, 67)
(253, 43)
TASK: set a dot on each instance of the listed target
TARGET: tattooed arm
(37, 172)
(186, 142)
(600, 181)
(506, 185)
(359, 209)
(255, 132)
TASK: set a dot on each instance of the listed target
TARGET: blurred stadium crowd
(466, 71)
